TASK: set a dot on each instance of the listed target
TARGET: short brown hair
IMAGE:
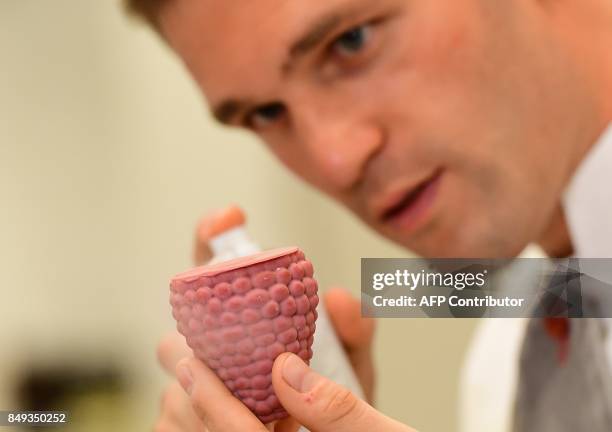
(149, 10)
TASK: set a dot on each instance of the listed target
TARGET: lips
(406, 206)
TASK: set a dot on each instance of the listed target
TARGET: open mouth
(413, 204)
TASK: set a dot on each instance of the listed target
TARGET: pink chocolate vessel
(239, 315)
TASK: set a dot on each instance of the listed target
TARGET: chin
(467, 242)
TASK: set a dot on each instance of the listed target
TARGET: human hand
(356, 335)
(311, 400)
(344, 312)
(177, 412)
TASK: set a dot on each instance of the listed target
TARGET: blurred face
(447, 126)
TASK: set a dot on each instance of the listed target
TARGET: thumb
(322, 405)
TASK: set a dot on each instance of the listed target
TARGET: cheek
(445, 87)
(449, 94)
(430, 90)
(297, 162)
(289, 156)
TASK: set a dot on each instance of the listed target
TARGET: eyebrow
(228, 109)
(317, 32)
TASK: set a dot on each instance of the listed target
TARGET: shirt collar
(588, 202)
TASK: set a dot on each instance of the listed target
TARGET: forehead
(224, 42)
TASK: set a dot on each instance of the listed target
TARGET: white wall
(107, 158)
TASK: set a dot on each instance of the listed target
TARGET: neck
(556, 240)
(585, 28)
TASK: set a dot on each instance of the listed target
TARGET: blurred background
(108, 158)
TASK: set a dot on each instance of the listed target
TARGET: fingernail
(185, 378)
(298, 375)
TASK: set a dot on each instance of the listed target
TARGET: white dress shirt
(489, 375)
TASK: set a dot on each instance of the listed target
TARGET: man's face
(437, 122)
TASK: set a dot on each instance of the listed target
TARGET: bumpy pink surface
(240, 315)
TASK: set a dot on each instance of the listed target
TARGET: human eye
(265, 115)
(352, 42)
(354, 49)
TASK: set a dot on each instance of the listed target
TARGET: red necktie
(559, 330)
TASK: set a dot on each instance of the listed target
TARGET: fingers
(286, 425)
(176, 413)
(171, 350)
(355, 331)
(322, 405)
(356, 334)
(212, 225)
(212, 402)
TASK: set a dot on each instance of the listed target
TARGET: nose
(339, 146)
